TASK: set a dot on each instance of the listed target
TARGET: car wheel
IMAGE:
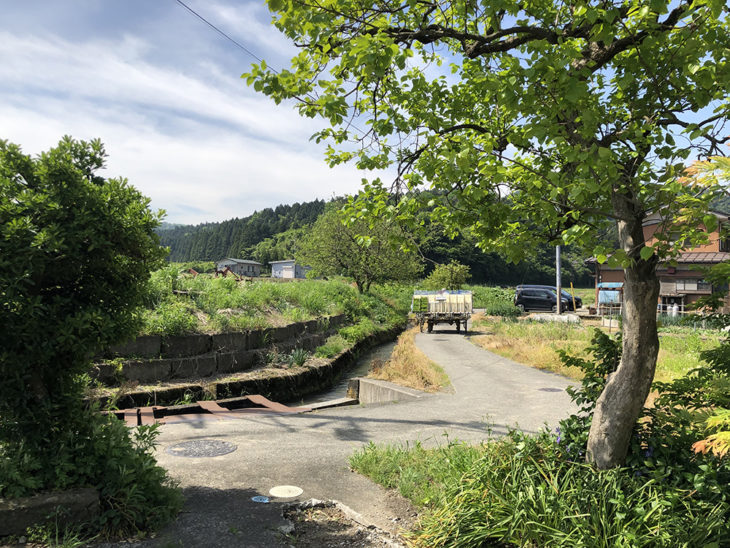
(521, 308)
(555, 308)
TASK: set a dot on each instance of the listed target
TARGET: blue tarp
(609, 297)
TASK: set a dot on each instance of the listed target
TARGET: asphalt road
(490, 394)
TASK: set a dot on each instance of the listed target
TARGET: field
(538, 344)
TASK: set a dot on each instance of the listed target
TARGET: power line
(244, 48)
(223, 34)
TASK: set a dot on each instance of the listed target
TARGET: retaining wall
(282, 385)
(160, 359)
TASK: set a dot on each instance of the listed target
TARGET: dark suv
(566, 295)
(539, 298)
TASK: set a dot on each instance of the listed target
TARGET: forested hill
(213, 241)
(274, 234)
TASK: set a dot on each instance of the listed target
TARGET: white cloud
(201, 146)
(249, 23)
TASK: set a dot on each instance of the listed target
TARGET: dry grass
(534, 344)
(408, 366)
(537, 344)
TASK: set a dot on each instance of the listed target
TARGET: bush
(298, 357)
(77, 252)
(494, 300)
(171, 317)
(450, 276)
(99, 451)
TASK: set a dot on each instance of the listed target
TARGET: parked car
(566, 295)
(538, 298)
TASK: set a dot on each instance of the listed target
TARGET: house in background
(240, 267)
(682, 280)
(288, 269)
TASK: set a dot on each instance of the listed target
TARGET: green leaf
(646, 252)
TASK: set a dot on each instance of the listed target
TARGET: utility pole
(559, 289)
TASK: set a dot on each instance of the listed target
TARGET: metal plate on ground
(201, 448)
(552, 389)
(285, 491)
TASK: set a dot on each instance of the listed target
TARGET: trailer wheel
(458, 326)
(420, 325)
(465, 328)
(430, 327)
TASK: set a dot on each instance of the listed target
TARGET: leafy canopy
(368, 253)
(528, 119)
(447, 276)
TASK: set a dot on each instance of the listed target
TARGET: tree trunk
(621, 401)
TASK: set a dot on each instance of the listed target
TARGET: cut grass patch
(410, 367)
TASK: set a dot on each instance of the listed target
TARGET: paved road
(311, 450)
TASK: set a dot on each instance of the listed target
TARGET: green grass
(495, 300)
(180, 303)
(517, 491)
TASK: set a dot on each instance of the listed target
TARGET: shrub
(77, 252)
(298, 357)
(358, 332)
(450, 276)
(100, 451)
(495, 301)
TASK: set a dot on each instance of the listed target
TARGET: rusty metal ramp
(232, 408)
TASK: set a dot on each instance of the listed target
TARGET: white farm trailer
(434, 307)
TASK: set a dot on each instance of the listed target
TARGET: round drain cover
(285, 491)
(201, 448)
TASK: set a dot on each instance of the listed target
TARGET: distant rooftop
(240, 261)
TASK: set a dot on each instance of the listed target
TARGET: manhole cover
(201, 448)
(285, 491)
(551, 389)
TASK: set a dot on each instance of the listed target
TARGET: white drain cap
(285, 491)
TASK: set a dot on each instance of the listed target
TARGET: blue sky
(163, 92)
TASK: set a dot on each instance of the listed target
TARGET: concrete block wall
(280, 385)
(159, 359)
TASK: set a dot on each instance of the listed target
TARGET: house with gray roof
(241, 267)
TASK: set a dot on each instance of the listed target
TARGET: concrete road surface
(311, 450)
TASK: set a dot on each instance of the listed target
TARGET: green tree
(447, 276)
(76, 252)
(365, 252)
(532, 122)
